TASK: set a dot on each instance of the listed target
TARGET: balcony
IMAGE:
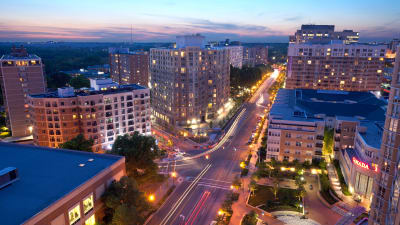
(337, 139)
(318, 145)
(318, 153)
(338, 131)
(336, 149)
(320, 137)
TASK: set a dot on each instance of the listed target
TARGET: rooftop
(307, 104)
(373, 135)
(45, 176)
(27, 57)
(121, 89)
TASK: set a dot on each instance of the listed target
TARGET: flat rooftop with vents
(52, 181)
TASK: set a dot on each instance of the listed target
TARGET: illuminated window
(342, 82)
(90, 221)
(182, 54)
(210, 81)
(74, 116)
(74, 214)
(88, 204)
(183, 69)
(379, 71)
(309, 61)
(209, 105)
(353, 79)
(154, 61)
(369, 58)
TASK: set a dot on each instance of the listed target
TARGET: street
(198, 197)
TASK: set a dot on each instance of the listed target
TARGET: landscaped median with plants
(272, 198)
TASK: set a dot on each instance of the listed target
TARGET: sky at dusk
(162, 20)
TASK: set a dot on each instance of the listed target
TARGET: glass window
(90, 221)
(74, 214)
(88, 204)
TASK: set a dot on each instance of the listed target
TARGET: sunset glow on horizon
(260, 21)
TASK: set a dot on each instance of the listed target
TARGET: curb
(165, 201)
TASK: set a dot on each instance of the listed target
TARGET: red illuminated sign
(364, 165)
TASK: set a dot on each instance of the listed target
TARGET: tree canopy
(139, 152)
(78, 143)
(79, 82)
(124, 203)
(328, 141)
(250, 218)
(58, 80)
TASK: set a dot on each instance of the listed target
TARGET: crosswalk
(212, 183)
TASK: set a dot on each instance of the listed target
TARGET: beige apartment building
(335, 66)
(21, 74)
(50, 187)
(385, 203)
(189, 83)
(298, 118)
(127, 67)
(323, 33)
(101, 114)
(255, 55)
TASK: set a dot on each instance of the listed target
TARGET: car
(311, 187)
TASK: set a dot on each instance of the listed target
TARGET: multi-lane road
(204, 181)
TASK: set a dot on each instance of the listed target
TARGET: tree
(124, 203)
(328, 141)
(139, 152)
(79, 82)
(78, 143)
(58, 80)
(250, 219)
(125, 215)
(301, 191)
(252, 186)
(275, 188)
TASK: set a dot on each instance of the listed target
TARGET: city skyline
(262, 21)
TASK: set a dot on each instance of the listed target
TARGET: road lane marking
(222, 181)
(214, 186)
(198, 207)
(183, 196)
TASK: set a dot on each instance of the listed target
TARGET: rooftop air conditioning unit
(8, 176)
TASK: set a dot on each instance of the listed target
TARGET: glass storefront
(363, 184)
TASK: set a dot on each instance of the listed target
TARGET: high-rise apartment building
(189, 83)
(335, 66)
(21, 74)
(393, 44)
(235, 56)
(101, 114)
(323, 34)
(385, 204)
(255, 55)
(128, 67)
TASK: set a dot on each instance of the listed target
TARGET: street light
(207, 157)
(152, 198)
(173, 175)
(242, 165)
(220, 212)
